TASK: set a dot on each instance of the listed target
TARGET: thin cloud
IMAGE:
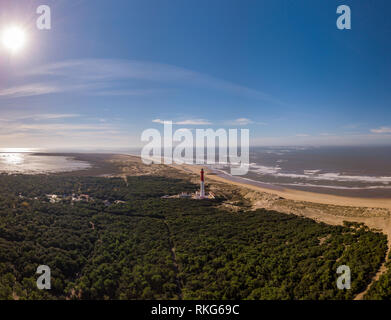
(61, 139)
(54, 116)
(195, 122)
(39, 89)
(38, 117)
(324, 140)
(243, 121)
(63, 127)
(159, 121)
(50, 124)
(381, 130)
(104, 74)
(326, 134)
(34, 89)
(136, 92)
(47, 132)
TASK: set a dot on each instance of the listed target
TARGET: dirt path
(175, 263)
(126, 180)
(376, 277)
(320, 214)
(77, 295)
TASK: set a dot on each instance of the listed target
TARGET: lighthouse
(202, 189)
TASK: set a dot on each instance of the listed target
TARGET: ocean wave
(310, 185)
(336, 177)
(314, 175)
(265, 169)
(309, 172)
(305, 185)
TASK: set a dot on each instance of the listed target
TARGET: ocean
(345, 171)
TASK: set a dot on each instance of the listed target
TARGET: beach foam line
(310, 185)
(275, 171)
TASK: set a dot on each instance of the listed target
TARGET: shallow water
(29, 163)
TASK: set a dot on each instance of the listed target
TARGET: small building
(53, 198)
(84, 197)
(184, 195)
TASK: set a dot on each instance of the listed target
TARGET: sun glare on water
(14, 39)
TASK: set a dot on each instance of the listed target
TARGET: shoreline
(286, 193)
(293, 194)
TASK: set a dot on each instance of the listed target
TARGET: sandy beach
(331, 209)
(297, 195)
(135, 166)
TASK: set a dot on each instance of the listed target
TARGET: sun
(14, 38)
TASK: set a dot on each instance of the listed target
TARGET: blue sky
(107, 70)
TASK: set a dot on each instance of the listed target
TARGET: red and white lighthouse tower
(202, 189)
